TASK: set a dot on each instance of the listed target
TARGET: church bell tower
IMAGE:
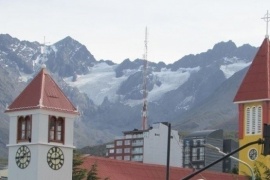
(253, 99)
(41, 132)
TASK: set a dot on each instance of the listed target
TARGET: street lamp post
(234, 158)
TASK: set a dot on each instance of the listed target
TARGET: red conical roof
(256, 83)
(42, 93)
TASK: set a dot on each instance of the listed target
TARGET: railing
(137, 152)
(110, 146)
(137, 143)
(136, 159)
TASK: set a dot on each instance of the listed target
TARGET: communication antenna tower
(144, 111)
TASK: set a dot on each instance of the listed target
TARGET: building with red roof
(128, 170)
(41, 121)
(253, 100)
(42, 93)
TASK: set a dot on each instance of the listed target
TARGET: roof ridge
(42, 86)
(42, 92)
(268, 67)
(256, 83)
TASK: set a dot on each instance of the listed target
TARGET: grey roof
(207, 133)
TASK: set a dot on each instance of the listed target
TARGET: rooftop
(256, 83)
(127, 170)
(42, 93)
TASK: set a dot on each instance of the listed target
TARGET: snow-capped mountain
(109, 95)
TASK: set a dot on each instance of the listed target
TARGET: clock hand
(20, 157)
(58, 157)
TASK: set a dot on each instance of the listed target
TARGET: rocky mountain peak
(109, 95)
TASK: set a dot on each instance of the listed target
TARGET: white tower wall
(38, 168)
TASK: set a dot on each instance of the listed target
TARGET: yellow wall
(244, 154)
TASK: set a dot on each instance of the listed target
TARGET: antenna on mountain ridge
(144, 111)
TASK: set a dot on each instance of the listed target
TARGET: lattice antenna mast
(145, 93)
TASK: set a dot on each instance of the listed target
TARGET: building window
(186, 161)
(198, 154)
(119, 143)
(56, 129)
(24, 128)
(119, 157)
(248, 121)
(127, 158)
(127, 142)
(137, 142)
(111, 151)
(127, 150)
(137, 150)
(259, 121)
(195, 142)
(128, 136)
(137, 158)
(118, 151)
(253, 120)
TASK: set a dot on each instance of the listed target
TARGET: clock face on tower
(55, 158)
(253, 154)
(23, 157)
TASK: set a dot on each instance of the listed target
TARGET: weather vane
(266, 18)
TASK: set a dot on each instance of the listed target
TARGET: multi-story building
(147, 146)
(196, 155)
(229, 164)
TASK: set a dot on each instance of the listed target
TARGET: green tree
(260, 175)
(93, 173)
(235, 170)
(77, 173)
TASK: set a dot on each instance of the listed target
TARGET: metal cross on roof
(43, 48)
(266, 18)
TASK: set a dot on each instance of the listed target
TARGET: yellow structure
(253, 99)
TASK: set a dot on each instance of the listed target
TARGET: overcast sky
(115, 29)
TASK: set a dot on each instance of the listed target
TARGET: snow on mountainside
(232, 66)
(102, 76)
(102, 82)
(109, 95)
(99, 83)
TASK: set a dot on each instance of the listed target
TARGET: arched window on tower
(259, 120)
(24, 128)
(248, 119)
(253, 120)
(56, 129)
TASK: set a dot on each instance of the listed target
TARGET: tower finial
(266, 18)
